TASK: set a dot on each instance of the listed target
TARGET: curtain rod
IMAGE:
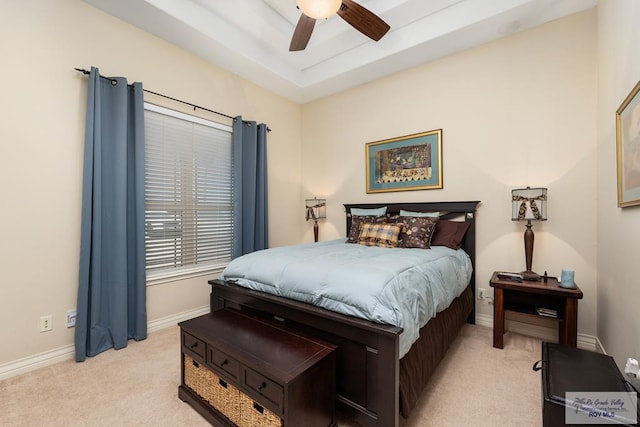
(86, 72)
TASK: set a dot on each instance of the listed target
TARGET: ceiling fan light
(319, 9)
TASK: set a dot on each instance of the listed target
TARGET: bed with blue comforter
(391, 312)
(393, 286)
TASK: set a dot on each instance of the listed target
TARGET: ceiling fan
(359, 17)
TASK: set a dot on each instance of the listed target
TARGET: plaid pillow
(382, 235)
(356, 225)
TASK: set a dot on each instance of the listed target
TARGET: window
(188, 194)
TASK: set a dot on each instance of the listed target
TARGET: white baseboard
(174, 319)
(31, 363)
(586, 342)
(67, 352)
(27, 364)
(484, 320)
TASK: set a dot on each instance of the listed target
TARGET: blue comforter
(401, 287)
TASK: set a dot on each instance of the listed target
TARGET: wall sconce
(315, 209)
(529, 204)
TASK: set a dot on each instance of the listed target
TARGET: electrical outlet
(46, 323)
(481, 293)
(71, 318)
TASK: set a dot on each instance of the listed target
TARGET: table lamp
(529, 204)
(316, 209)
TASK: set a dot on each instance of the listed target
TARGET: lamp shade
(529, 204)
(315, 208)
(319, 9)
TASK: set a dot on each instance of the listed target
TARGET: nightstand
(528, 297)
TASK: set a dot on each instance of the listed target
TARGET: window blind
(188, 193)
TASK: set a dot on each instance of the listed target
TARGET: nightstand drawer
(223, 362)
(264, 386)
(194, 344)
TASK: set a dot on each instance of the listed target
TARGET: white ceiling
(251, 37)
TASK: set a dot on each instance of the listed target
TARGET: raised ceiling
(251, 37)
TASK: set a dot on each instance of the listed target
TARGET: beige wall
(515, 112)
(618, 229)
(524, 110)
(41, 147)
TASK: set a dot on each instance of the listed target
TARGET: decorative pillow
(422, 214)
(369, 212)
(416, 231)
(383, 235)
(450, 233)
(356, 224)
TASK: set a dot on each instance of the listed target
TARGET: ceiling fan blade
(363, 20)
(302, 33)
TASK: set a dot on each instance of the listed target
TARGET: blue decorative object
(566, 279)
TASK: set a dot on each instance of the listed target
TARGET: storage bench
(566, 369)
(238, 370)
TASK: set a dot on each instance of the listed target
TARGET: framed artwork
(628, 149)
(411, 162)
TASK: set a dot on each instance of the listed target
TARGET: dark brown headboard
(448, 210)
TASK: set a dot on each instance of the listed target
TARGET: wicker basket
(221, 395)
(253, 414)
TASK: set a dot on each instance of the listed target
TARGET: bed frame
(373, 384)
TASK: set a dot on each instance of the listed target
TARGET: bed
(374, 383)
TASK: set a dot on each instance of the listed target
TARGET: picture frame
(628, 149)
(410, 162)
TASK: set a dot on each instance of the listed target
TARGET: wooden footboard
(367, 357)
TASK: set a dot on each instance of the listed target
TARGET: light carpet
(475, 385)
